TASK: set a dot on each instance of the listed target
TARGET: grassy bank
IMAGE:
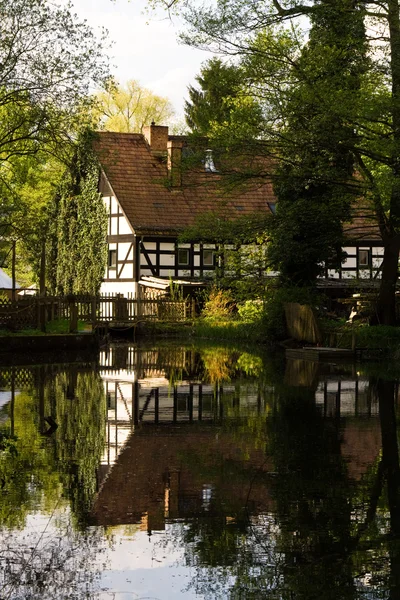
(231, 329)
(360, 335)
(60, 326)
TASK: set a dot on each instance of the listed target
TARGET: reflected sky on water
(165, 472)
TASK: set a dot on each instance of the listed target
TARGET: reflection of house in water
(174, 471)
(356, 405)
(345, 397)
(170, 454)
(139, 390)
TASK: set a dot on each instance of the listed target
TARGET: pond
(179, 472)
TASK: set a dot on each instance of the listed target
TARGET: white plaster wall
(118, 287)
(152, 257)
(167, 260)
(126, 272)
(350, 262)
(114, 204)
(377, 261)
(169, 246)
(168, 272)
(114, 223)
(124, 226)
(123, 250)
(349, 274)
(333, 273)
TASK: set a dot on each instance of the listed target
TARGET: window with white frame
(363, 258)
(183, 256)
(208, 258)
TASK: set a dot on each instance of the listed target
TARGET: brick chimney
(175, 161)
(157, 137)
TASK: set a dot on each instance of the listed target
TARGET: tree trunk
(386, 304)
(13, 266)
(42, 281)
(386, 307)
(390, 449)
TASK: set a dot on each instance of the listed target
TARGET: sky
(145, 47)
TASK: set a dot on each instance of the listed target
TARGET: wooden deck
(317, 354)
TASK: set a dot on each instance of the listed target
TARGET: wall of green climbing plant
(76, 250)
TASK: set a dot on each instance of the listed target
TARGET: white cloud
(145, 50)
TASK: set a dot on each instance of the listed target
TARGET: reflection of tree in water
(33, 465)
(60, 563)
(312, 495)
(26, 470)
(76, 401)
(327, 537)
(48, 559)
(387, 488)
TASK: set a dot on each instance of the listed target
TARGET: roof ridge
(121, 133)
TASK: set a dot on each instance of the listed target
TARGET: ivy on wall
(76, 247)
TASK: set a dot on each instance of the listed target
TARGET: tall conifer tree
(314, 182)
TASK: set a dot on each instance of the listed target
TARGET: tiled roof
(139, 180)
(364, 225)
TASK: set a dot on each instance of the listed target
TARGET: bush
(251, 310)
(261, 320)
(219, 305)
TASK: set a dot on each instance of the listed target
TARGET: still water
(172, 472)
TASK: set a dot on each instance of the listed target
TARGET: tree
(49, 64)
(129, 108)
(222, 104)
(219, 86)
(24, 199)
(374, 116)
(314, 181)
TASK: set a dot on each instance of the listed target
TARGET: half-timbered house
(151, 200)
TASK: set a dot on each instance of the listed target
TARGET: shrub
(251, 310)
(219, 305)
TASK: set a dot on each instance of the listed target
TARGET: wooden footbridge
(99, 311)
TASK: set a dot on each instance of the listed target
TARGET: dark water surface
(170, 472)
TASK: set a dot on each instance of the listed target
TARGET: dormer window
(209, 166)
(272, 207)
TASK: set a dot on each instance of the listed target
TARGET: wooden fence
(35, 312)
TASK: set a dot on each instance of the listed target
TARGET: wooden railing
(37, 311)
